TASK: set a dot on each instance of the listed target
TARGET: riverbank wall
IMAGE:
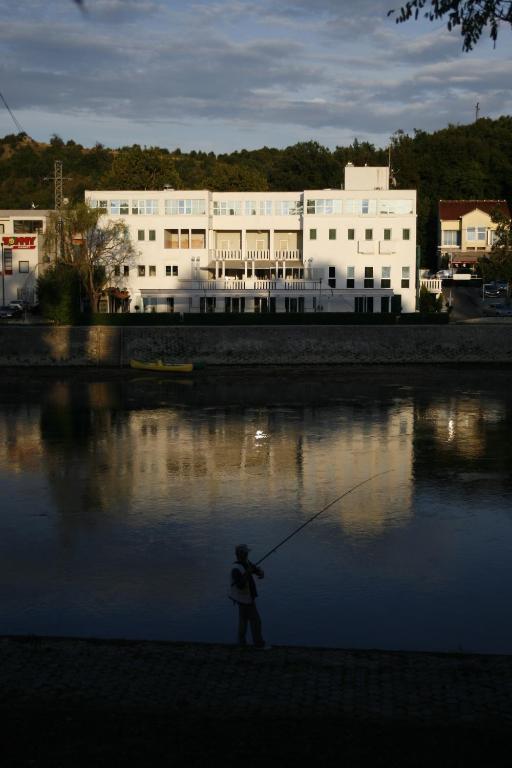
(114, 346)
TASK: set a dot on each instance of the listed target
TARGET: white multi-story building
(21, 258)
(331, 250)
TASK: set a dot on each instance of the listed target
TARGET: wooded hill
(461, 161)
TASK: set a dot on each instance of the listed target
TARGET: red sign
(19, 242)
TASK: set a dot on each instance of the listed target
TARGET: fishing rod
(317, 514)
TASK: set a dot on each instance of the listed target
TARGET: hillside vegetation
(460, 161)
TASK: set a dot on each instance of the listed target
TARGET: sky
(223, 75)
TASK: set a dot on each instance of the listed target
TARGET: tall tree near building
(92, 248)
(472, 16)
(497, 265)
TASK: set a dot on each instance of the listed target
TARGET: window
(363, 304)
(351, 234)
(332, 234)
(8, 261)
(117, 271)
(368, 234)
(152, 235)
(406, 234)
(184, 238)
(227, 207)
(387, 234)
(287, 207)
(126, 271)
(368, 277)
(476, 233)
(265, 207)
(385, 281)
(332, 277)
(450, 237)
(23, 267)
(145, 207)
(312, 234)
(361, 207)
(27, 226)
(141, 270)
(171, 238)
(193, 207)
(102, 205)
(152, 271)
(174, 270)
(141, 235)
(406, 274)
(350, 276)
(171, 271)
(324, 207)
(389, 207)
(120, 207)
(198, 238)
(384, 304)
(169, 303)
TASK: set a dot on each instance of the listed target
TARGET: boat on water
(161, 367)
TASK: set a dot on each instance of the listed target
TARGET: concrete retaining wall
(271, 345)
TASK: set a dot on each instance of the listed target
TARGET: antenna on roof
(477, 111)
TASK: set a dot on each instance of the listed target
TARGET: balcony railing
(295, 254)
(251, 284)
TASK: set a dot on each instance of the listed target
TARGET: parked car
(492, 290)
(6, 312)
(444, 273)
(504, 312)
(17, 308)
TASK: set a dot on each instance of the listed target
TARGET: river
(123, 496)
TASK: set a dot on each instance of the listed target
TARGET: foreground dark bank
(84, 703)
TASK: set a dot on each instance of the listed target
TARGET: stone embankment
(98, 702)
(103, 346)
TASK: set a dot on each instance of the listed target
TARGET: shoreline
(94, 701)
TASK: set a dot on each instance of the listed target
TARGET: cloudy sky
(227, 74)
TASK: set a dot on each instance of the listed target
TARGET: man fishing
(244, 593)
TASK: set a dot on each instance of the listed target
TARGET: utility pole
(477, 111)
(58, 186)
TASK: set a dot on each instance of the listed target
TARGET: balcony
(255, 255)
(251, 284)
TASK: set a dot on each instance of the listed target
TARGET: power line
(15, 121)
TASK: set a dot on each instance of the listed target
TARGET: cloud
(290, 69)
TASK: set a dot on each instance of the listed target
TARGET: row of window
(477, 234)
(171, 270)
(197, 207)
(358, 207)
(264, 304)
(368, 234)
(385, 279)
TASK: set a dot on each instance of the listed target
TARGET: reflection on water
(122, 501)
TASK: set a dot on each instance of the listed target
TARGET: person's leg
(242, 623)
(255, 622)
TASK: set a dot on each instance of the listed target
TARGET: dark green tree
(497, 265)
(472, 16)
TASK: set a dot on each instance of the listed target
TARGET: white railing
(250, 284)
(255, 255)
(433, 285)
(293, 254)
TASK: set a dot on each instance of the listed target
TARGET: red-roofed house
(466, 229)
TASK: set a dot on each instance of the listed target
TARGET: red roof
(454, 209)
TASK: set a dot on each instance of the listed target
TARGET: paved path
(221, 681)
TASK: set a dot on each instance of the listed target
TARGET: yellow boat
(159, 365)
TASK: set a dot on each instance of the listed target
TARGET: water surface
(122, 499)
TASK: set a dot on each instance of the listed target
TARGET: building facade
(466, 230)
(335, 250)
(22, 257)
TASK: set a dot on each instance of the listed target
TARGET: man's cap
(242, 548)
